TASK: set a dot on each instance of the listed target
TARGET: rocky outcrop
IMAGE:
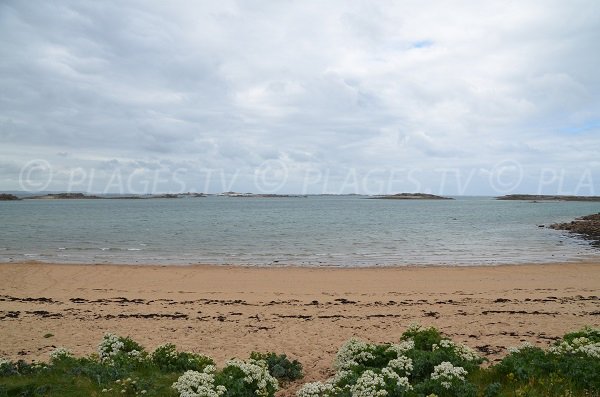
(8, 197)
(587, 227)
(545, 197)
(260, 195)
(64, 196)
(411, 196)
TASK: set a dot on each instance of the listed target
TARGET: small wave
(134, 249)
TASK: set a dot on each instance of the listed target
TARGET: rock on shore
(8, 197)
(586, 226)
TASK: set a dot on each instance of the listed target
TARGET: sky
(443, 97)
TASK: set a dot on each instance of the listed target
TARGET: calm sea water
(313, 231)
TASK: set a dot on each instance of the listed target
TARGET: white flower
(60, 352)
(352, 353)
(466, 353)
(580, 345)
(401, 381)
(517, 349)
(369, 384)
(402, 347)
(463, 351)
(4, 361)
(414, 327)
(444, 344)
(256, 371)
(338, 377)
(315, 389)
(109, 347)
(590, 350)
(136, 355)
(446, 373)
(402, 364)
(197, 384)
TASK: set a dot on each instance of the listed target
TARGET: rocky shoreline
(545, 197)
(8, 197)
(587, 227)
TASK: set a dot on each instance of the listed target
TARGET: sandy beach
(306, 313)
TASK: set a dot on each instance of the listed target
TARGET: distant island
(63, 196)
(8, 197)
(259, 195)
(544, 197)
(411, 196)
(83, 196)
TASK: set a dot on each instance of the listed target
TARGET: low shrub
(121, 351)
(422, 363)
(237, 379)
(573, 363)
(168, 359)
(425, 363)
(280, 367)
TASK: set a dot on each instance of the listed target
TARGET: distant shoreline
(13, 196)
(410, 196)
(544, 197)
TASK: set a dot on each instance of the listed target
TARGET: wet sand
(306, 313)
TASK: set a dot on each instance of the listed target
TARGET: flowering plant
(114, 349)
(167, 358)
(127, 387)
(280, 367)
(585, 342)
(573, 361)
(423, 362)
(239, 378)
(448, 374)
(60, 353)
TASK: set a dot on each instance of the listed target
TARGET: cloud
(333, 87)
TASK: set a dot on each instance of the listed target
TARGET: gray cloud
(324, 87)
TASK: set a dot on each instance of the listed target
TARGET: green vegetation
(122, 367)
(423, 363)
(280, 366)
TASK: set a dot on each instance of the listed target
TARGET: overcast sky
(450, 97)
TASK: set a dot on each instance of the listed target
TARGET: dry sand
(306, 313)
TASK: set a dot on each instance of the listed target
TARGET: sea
(338, 231)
